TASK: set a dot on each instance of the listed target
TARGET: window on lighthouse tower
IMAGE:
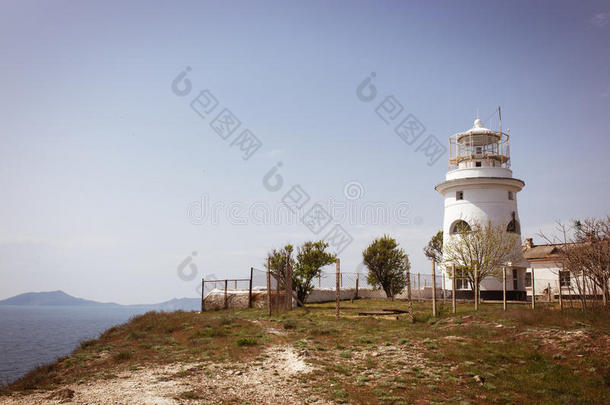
(513, 226)
(460, 226)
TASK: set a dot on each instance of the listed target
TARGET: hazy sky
(104, 170)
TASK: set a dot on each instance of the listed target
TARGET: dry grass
(542, 356)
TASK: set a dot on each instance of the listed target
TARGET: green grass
(246, 341)
(537, 356)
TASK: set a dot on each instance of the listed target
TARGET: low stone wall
(235, 299)
(328, 295)
(239, 298)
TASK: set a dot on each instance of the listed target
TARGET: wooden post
(548, 292)
(533, 290)
(570, 291)
(357, 282)
(453, 297)
(476, 288)
(560, 298)
(409, 290)
(504, 288)
(605, 292)
(250, 288)
(278, 296)
(433, 289)
(320, 281)
(236, 284)
(419, 286)
(443, 286)
(202, 294)
(594, 282)
(583, 293)
(337, 289)
(226, 296)
(288, 284)
(269, 286)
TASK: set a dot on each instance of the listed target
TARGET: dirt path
(269, 381)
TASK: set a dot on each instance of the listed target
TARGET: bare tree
(584, 249)
(486, 247)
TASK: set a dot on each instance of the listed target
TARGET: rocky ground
(245, 357)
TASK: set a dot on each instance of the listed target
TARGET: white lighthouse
(479, 186)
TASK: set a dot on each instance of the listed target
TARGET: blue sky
(101, 162)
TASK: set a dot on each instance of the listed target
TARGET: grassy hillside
(543, 356)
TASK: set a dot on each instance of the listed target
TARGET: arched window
(513, 226)
(460, 226)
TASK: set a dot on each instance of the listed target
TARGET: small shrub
(87, 344)
(246, 341)
(122, 355)
(290, 324)
(189, 395)
(346, 354)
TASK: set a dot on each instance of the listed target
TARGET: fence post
(202, 294)
(443, 285)
(584, 293)
(357, 282)
(433, 289)
(320, 281)
(560, 298)
(476, 287)
(504, 288)
(407, 265)
(453, 297)
(570, 291)
(605, 292)
(419, 286)
(337, 289)
(250, 288)
(533, 290)
(269, 286)
(288, 284)
(594, 282)
(226, 296)
(548, 292)
(278, 296)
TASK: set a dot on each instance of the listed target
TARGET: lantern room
(479, 147)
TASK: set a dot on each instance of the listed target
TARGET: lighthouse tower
(479, 186)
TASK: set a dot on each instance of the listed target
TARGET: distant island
(60, 298)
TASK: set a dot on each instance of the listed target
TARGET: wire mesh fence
(274, 289)
(270, 290)
(568, 288)
(421, 285)
(226, 293)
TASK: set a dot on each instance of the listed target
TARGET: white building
(545, 262)
(479, 186)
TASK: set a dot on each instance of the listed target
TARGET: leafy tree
(311, 257)
(487, 247)
(386, 264)
(434, 249)
(279, 259)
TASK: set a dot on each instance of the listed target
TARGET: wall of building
(547, 273)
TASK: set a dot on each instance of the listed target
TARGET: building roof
(542, 252)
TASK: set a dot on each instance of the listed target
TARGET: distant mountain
(51, 298)
(184, 304)
(60, 298)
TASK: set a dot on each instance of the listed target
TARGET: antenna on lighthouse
(500, 117)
